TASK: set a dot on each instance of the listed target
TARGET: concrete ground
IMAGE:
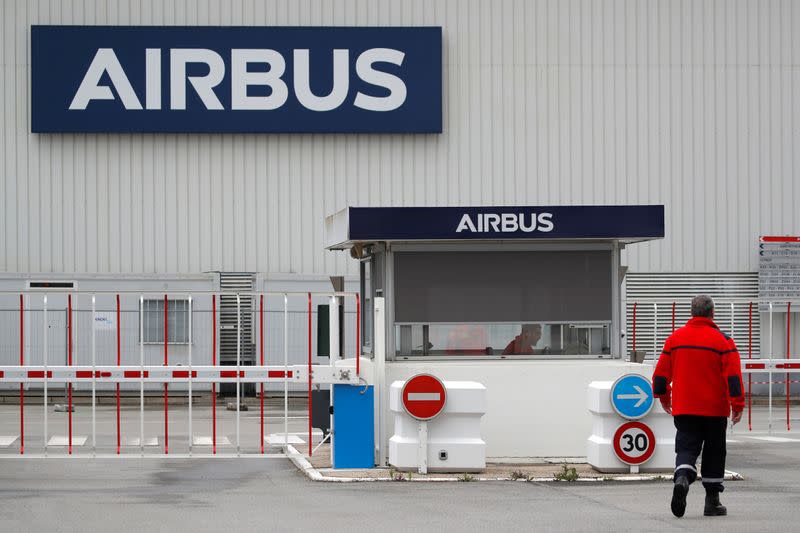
(253, 494)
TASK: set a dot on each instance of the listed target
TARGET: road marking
(148, 441)
(6, 441)
(64, 441)
(775, 439)
(281, 439)
(208, 441)
(424, 396)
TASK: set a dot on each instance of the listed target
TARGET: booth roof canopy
(625, 223)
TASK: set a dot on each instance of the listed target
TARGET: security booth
(525, 300)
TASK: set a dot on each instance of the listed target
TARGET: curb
(313, 474)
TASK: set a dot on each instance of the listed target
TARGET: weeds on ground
(567, 473)
(394, 475)
(466, 477)
(519, 474)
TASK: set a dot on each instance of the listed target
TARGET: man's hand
(666, 403)
(736, 417)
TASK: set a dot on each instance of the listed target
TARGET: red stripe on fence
(787, 365)
(750, 377)
(788, 356)
(755, 365)
(2, 374)
(230, 373)
(135, 374)
(183, 374)
(278, 374)
(39, 374)
(84, 374)
(771, 238)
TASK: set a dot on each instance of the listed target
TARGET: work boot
(679, 492)
(713, 507)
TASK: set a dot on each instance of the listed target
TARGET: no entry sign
(634, 443)
(424, 396)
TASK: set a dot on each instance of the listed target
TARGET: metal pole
(750, 375)
(190, 376)
(769, 428)
(44, 334)
(310, 408)
(285, 373)
(788, 356)
(261, 351)
(238, 366)
(214, 363)
(21, 385)
(69, 363)
(166, 385)
(358, 334)
(141, 374)
(119, 362)
(655, 331)
(94, 378)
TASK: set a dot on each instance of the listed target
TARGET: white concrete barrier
(605, 421)
(454, 442)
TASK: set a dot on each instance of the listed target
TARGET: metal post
(119, 362)
(141, 374)
(238, 366)
(285, 373)
(21, 385)
(310, 408)
(379, 327)
(44, 354)
(750, 375)
(655, 331)
(358, 334)
(261, 360)
(190, 376)
(166, 385)
(422, 450)
(788, 356)
(633, 334)
(214, 363)
(94, 378)
(769, 427)
(69, 363)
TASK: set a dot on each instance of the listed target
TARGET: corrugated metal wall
(690, 104)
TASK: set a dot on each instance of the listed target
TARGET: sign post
(424, 397)
(632, 399)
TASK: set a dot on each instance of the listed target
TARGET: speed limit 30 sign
(634, 443)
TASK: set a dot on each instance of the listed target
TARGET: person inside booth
(523, 343)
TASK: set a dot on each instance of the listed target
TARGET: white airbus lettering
(506, 223)
(212, 69)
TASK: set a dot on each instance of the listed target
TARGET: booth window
(503, 304)
(366, 305)
(177, 320)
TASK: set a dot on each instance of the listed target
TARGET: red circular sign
(424, 396)
(634, 443)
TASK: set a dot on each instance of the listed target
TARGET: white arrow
(641, 396)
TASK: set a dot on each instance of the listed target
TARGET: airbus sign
(207, 79)
(506, 223)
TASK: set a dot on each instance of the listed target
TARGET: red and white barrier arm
(322, 374)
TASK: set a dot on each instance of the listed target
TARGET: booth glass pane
(498, 286)
(530, 339)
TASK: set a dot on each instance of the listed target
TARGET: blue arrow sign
(632, 396)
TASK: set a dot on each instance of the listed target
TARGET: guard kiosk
(525, 300)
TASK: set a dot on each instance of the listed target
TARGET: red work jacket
(699, 367)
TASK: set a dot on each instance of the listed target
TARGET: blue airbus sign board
(205, 79)
(632, 396)
(624, 222)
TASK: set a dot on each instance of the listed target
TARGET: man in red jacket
(699, 381)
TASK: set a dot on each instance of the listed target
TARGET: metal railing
(753, 363)
(187, 374)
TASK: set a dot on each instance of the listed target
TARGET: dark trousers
(696, 433)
